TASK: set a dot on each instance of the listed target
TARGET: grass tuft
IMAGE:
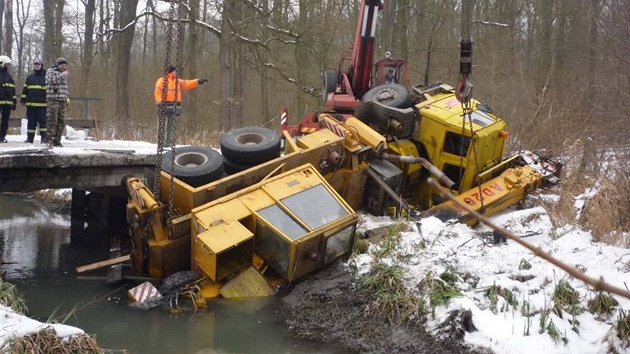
(391, 296)
(11, 297)
(493, 292)
(565, 297)
(602, 305)
(46, 341)
(441, 289)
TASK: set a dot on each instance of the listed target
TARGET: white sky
(458, 246)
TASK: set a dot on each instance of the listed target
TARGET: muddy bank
(329, 307)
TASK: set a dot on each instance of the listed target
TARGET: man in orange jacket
(169, 101)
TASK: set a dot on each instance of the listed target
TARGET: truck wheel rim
(190, 159)
(250, 139)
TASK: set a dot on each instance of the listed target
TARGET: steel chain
(162, 108)
(178, 33)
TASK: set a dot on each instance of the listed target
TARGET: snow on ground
(482, 267)
(13, 324)
(76, 143)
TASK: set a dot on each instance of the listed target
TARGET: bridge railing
(77, 123)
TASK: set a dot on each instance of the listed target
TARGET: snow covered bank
(13, 324)
(518, 303)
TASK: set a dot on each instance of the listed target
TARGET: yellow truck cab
(446, 134)
(464, 146)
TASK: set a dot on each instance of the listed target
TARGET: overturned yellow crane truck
(279, 216)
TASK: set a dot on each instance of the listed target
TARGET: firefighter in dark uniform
(34, 98)
(8, 100)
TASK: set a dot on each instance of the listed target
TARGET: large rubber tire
(195, 165)
(250, 145)
(330, 83)
(231, 168)
(392, 95)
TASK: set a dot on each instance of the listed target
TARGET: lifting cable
(463, 92)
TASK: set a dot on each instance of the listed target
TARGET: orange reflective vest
(172, 88)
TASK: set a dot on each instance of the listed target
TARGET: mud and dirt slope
(330, 308)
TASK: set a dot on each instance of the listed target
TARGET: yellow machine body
(294, 214)
(295, 222)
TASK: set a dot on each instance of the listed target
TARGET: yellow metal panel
(230, 210)
(318, 138)
(225, 236)
(292, 184)
(367, 135)
(497, 194)
(223, 250)
(248, 283)
(257, 199)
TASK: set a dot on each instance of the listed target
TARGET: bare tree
(225, 60)
(87, 52)
(1, 23)
(123, 58)
(53, 21)
(23, 11)
(191, 58)
(8, 28)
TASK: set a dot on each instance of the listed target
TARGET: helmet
(4, 60)
(60, 60)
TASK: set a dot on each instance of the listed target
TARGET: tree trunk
(225, 62)
(387, 27)
(239, 72)
(8, 29)
(264, 72)
(123, 58)
(1, 23)
(191, 57)
(53, 15)
(546, 14)
(88, 48)
(22, 17)
(301, 55)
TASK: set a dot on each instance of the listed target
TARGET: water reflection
(31, 238)
(36, 243)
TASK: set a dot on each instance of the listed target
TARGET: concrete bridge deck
(79, 164)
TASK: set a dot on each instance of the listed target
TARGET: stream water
(37, 256)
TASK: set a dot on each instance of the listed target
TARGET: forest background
(555, 70)
(558, 71)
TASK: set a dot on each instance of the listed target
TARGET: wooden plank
(102, 264)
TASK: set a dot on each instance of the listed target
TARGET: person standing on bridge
(34, 98)
(168, 98)
(57, 99)
(8, 100)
